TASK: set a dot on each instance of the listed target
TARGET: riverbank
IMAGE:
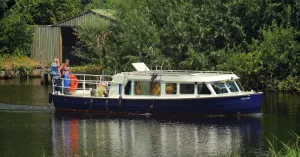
(23, 66)
(18, 67)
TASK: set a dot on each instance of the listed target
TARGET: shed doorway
(69, 40)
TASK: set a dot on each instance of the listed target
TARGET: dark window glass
(128, 89)
(147, 88)
(203, 89)
(219, 88)
(187, 88)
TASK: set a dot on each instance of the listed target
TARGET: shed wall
(46, 43)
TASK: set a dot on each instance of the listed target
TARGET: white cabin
(146, 83)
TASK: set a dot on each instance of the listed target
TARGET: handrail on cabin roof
(175, 72)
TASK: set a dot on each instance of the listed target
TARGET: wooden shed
(58, 40)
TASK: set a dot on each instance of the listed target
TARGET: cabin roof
(143, 73)
(178, 76)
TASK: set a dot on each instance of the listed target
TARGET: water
(31, 127)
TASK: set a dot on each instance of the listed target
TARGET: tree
(271, 60)
(15, 34)
(64, 9)
(93, 42)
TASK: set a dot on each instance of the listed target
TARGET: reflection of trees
(115, 137)
(24, 92)
(275, 102)
(25, 134)
(279, 118)
(280, 127)
(36, 81)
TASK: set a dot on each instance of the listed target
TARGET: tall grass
(290, 149)
(18, 62)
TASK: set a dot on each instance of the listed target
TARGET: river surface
(29, 126)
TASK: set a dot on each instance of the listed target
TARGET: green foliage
(259, 40)
(103, 4)
(246, 65)
(18, 17)
(15, 34)
(270, 61)
(64, 9)
(46, 12)
(138, 40)
(93, 40)
(290, 84)
(90, 69)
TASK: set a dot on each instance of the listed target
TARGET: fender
(50, 98)
(120, 102)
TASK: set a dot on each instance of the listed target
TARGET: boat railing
(84, 80)
(175, 72)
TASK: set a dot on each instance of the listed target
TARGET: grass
(18, 62)
(277, 148)
(290, 149)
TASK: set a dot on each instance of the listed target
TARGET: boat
(159, 91)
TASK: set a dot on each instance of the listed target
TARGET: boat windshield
(219, 87)
(240, 85)
(232, 86)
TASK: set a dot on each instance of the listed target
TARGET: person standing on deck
(66, 75)
(55, 73)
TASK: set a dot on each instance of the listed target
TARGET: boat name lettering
(245, 98)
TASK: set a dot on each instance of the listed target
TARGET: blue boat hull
(247, 104)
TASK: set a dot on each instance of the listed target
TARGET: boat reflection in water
(94, 135)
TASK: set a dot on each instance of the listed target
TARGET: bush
(87, 69)
(290, 84)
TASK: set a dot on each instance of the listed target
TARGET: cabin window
(240, 85)
(203, 89)
(232, 86)
(128, 89)
(187, 88)
(147, 88)
(219, 88)
(171, 88)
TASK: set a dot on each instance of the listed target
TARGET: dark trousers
(57, 83)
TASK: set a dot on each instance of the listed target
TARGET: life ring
(73, 84)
